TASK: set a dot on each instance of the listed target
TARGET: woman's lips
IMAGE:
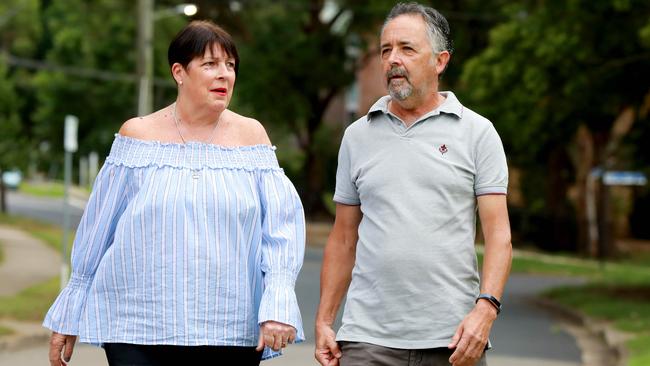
(220, 91)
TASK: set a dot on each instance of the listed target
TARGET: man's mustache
(396, 71)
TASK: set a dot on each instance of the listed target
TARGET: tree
(556, 71)
(18, 33)
(11, 145)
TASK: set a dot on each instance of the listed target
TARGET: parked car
(12, 178)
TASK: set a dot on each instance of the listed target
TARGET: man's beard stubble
(404, 89)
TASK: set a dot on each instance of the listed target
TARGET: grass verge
(30, 304)
(49, 189)
(48, 233)
(52, 189)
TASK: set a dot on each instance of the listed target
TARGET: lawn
(50, 234)
(53, 189)
(50, 189)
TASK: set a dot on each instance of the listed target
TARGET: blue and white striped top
(184, 244)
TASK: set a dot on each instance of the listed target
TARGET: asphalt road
(46, 209)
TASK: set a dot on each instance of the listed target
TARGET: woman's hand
(275, 335)
(61, 343)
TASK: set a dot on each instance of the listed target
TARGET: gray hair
(437, 26)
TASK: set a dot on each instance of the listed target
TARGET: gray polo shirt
(415, 276)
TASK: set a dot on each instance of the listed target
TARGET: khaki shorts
(366, 354)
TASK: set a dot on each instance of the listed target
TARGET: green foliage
(11, 145)
(96, 36)
(555, 66)
(18, 28)
(549, 68)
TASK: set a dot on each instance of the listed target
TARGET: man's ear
(441, 61)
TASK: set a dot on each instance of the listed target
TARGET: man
(410, 176)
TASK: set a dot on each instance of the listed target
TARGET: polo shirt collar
(451, 105)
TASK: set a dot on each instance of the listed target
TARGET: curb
(612, 339)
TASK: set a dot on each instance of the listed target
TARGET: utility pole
(145, 57)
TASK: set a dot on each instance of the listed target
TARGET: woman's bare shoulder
(251, 130)
(149, 127)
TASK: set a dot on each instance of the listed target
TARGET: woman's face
(210, 79)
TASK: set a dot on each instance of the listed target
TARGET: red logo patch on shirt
(443, 149)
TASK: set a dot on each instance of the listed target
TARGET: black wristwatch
(493, 300)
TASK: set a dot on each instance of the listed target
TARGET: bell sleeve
(94, 236)
(283, 249)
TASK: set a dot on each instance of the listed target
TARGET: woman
(193, 237)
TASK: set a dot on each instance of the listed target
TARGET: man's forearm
(497, 260)
(335, 278)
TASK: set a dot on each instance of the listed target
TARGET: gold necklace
(195, 172)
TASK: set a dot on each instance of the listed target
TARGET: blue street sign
(613, 178)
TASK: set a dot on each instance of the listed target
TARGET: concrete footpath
(27, 261)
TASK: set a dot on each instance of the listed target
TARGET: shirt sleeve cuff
(279, 303)
(65, 314)
(346, 200)
(480, 191)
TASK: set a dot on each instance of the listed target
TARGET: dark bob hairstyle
(195, 38)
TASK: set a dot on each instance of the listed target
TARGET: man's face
(408, 63)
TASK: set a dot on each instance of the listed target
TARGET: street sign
(613, 178)
(70, 133)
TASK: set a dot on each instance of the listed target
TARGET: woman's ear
(178, 72)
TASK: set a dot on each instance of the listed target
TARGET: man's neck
(411, 112)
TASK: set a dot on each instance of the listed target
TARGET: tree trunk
(561, 229)
(583, 162)
(314, 169)
(621, 126)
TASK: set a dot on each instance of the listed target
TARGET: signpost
(70, 147)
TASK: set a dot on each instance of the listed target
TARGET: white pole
(70, 146)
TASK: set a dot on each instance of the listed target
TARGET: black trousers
(122, 354)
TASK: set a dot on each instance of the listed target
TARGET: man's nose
(394, 58)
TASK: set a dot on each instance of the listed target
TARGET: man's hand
(275, 335)
(327, 350)
(472, 335)
(61, 343)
